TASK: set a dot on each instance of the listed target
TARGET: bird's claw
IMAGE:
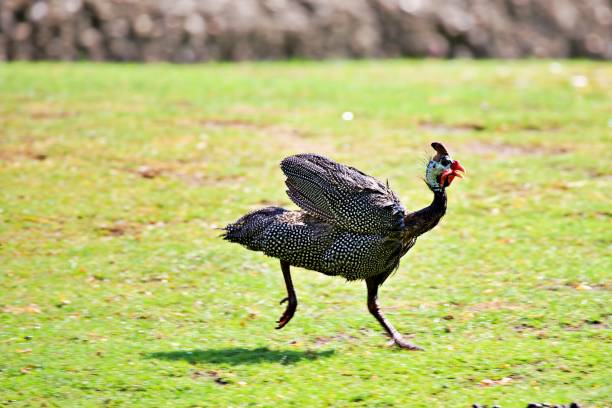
(288, 314)
(404, 344)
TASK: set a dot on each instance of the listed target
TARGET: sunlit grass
(115, 289)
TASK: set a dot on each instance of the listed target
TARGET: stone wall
(200, 30)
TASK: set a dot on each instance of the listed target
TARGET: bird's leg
(291, 298)
(372, 284)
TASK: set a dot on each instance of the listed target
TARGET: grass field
(115, 289)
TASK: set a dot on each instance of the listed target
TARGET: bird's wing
(342, 195)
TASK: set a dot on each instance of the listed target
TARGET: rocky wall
(201, 30)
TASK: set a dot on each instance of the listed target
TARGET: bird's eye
(445, 161)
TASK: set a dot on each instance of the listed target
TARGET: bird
(349, 224)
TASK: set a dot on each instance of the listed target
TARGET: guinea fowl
(350, 224)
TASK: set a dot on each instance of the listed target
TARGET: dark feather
(342, 195)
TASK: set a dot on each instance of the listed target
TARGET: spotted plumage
(349, 224)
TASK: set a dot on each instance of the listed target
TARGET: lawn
(116, 290)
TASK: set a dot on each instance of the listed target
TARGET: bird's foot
(398, 341)
(289, 312)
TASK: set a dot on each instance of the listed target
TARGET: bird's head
(442, 169)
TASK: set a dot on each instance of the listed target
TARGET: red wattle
(444, 176)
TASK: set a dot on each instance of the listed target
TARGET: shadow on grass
(240, 355)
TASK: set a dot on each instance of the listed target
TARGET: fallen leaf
(491, 305)
(63, 302)
(119, 228)
(488, 382)
(30, 309)
(214, 375)
(27, 369)
(148, 172)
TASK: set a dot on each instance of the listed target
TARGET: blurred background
(203, 30)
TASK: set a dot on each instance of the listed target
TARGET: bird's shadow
(241, 355)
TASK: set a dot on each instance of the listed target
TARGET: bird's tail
(249, 229)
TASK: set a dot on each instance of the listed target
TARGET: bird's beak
(447, 177)
(456, 166)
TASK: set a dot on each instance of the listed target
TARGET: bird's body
(306, 241)
(350, 224)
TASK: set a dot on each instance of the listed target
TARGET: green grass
(115, 289)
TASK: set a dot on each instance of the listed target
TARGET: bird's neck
(423, 220)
